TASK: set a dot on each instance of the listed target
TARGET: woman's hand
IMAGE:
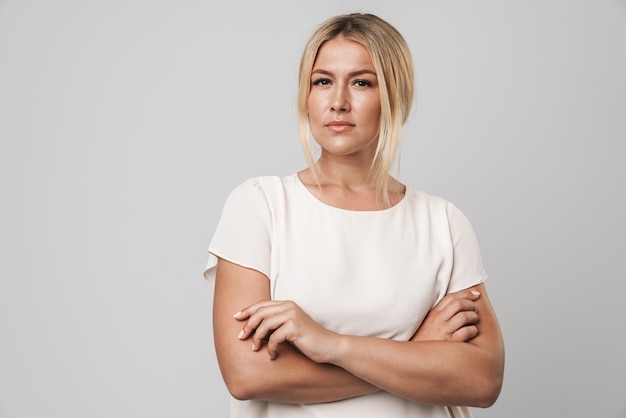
(454, 318)
(284, 321)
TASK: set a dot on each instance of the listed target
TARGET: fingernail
(475, 293)
(237, 314)
(240, 334)
(252, 346)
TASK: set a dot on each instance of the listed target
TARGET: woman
(339, 291)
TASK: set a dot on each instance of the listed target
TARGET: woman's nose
(340, 101)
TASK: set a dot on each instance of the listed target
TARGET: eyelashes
(362, 83)
(322, 81)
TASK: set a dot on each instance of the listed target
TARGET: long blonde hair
(394, 68)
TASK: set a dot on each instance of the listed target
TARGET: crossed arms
(273, 351)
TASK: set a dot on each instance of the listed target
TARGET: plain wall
(124, 125)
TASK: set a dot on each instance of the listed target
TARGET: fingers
(455, 310)
(281, 335)
(261, 320)
(464, 334)
(250, 310)
(454, 318)
(462, 326)
(467, 294)
(268, 321)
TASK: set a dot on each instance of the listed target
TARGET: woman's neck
(345, 173)
(349, 186)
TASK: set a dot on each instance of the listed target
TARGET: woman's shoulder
(436, 205)
(267, 182)
(420, 197)
(262, 187)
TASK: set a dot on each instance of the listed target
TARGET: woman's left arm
(434, 372)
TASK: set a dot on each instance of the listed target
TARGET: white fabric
(374, 273)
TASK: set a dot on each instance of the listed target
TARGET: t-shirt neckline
(311, 196)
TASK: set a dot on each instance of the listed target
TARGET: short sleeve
(242, 235)
(467, 264)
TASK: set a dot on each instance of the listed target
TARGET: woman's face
(344, 103)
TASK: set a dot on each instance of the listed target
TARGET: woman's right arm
(293, 377)
(248, 374)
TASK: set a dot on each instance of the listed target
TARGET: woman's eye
(321, 82)
(362, 83)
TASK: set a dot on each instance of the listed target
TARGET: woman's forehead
(342, 52)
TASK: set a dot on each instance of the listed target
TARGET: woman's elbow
(240, 388)
(239, 393)
(489, 378)
(487, 398)
(488, 390)
(241, 374)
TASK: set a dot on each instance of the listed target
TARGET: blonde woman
(339, 291)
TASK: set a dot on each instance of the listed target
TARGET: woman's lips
(339, 126)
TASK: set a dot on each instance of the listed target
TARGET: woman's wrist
(340, 350)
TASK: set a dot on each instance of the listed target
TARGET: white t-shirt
(370, 273)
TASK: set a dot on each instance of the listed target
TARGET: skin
(347, 95)
(273, 350)
(292, 377)
(435, 372)
(344, 87)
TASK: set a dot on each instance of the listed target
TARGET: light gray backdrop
(124, 124)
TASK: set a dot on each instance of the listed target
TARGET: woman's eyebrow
(351, 74)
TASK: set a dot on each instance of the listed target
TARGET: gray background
(124, 125)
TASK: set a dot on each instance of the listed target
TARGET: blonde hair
(394, 68)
